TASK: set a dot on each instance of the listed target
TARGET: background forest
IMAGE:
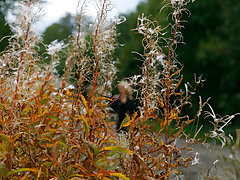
(211, 47)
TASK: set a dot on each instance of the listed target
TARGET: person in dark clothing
(124, 104)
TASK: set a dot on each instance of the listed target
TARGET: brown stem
(169, 71)
(95, 71)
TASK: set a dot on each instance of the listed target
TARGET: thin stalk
(95, 71)
(18, 73)
(20, 61)
(168, 81)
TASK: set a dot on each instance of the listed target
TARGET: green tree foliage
(213, 43)
(131, 41)
(211, 48)
(60, 30)
(5, 31)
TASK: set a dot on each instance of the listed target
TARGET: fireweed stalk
(155, 153)
(104, 43)
(78, 63)
(20, 58)
(91, 62)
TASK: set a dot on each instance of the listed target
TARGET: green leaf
(26, 109)
(93, 146)
(125, 121)
(86, 125)
(5, 138)
(61, 143)
(22, 170)
(100, 163)
(1, 148)
(116, 148)
(54, 117)
(84, 102)
(2, 156)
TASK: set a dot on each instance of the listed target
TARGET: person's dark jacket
(122, 109)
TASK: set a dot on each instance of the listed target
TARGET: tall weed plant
(52, 132)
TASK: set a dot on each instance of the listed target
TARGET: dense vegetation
(52, 130)
(211, 46)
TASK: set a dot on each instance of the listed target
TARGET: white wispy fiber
(29, 11)
(26, 14)
(55, 47)
(195, 159)
(121, 19)
(218, 124)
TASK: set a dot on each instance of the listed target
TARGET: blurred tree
(212, 49)
(5, 29)
(60, 30)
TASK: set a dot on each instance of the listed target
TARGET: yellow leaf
(27, 109)
(120, 175)
(103, 98)
(169, 122)
(39, 172)
(160, 101)
(172, 116)
(178, 84)
(125, 121)
(32, 142)
(84, 102)
(161, 142)
(46, 139)
(61, 143)
(22, 170)
(127, 124)
(80, 167)
(74, 146)
(39, 107)
(110, 141)
(16, 137)
(90, 153)
(77, 177)
(68, 92)
(177, 72)
(52, 106)
(86, 125)
(116, 148)
(105, 178)
(50, 130)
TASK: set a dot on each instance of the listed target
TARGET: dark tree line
(5, 29)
